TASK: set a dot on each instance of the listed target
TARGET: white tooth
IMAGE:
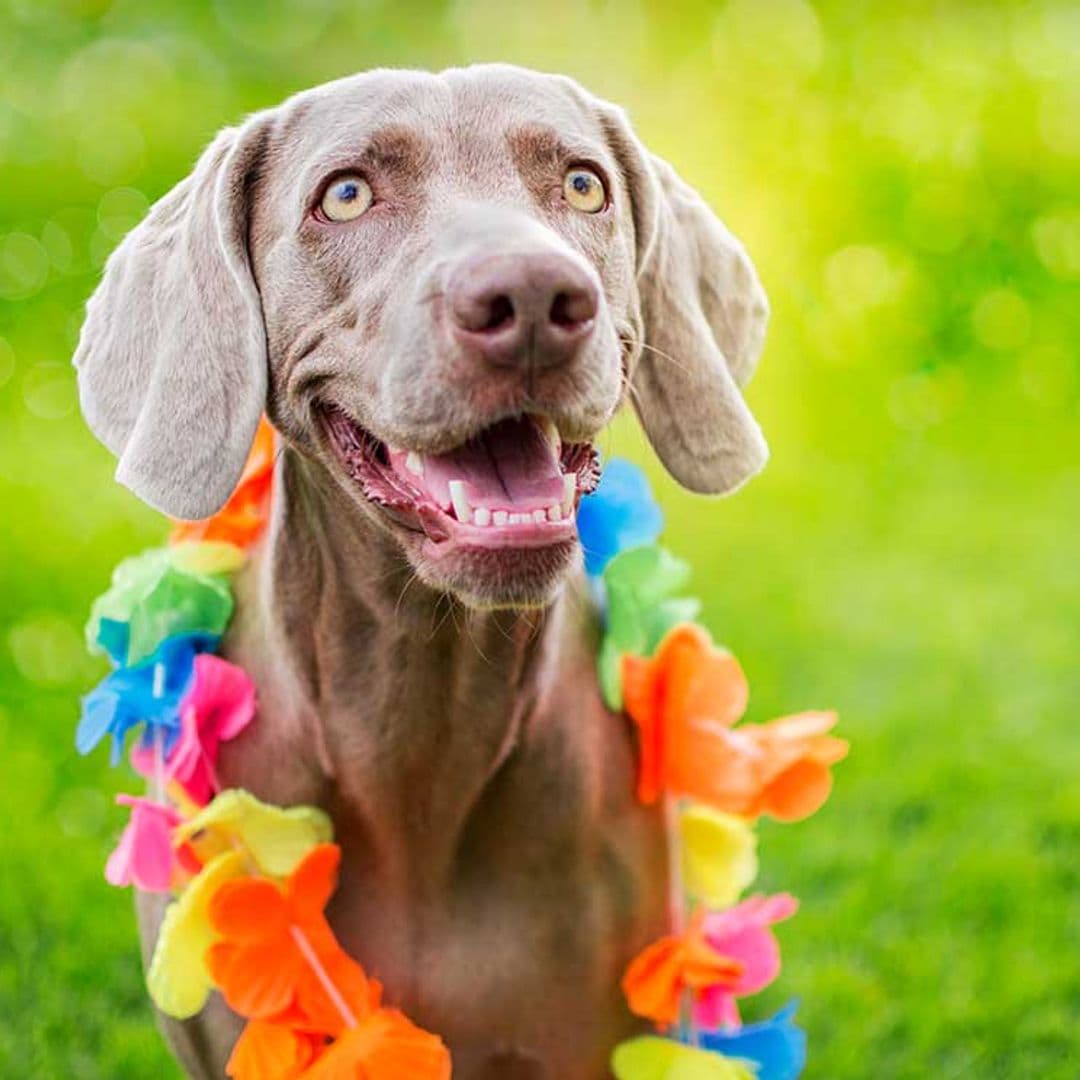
(554, 512)
(551, 432)
(414, 463)
(539, 515)
(459, 500)
(569, 483)
(482, 516)
(500, 517)
(515, 519)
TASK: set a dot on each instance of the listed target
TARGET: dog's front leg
(202, 1044)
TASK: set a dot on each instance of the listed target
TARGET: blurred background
(907, 178)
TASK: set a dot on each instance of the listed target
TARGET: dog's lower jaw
(494, 581)
(498, 874)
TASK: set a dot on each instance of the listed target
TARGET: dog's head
(439, 287)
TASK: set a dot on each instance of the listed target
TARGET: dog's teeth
(539, 515)
(500, 517)
(459, 500)
(516, 519)
(569, 490)
(414, 463)
(554, 512)
(481, 516)
(550, 431)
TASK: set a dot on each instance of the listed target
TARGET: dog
(439, 288)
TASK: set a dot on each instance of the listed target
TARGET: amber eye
(346, 198)
(584, 190)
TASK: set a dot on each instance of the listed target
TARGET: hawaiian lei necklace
(251, 880)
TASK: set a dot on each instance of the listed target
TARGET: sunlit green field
(907, 177)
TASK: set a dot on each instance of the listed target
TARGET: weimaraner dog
(439, 288)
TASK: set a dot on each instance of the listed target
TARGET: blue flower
(621, 513)
(148, 693)
(776, 1046)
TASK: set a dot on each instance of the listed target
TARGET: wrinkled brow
(396, 151)
(539, 148)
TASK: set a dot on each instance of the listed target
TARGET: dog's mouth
(514, 484)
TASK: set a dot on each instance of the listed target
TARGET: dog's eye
(346, 198)
(584, 190)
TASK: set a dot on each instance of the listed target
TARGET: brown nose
(522, 309)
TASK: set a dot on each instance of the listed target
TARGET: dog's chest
(497, 883)
(515, 956)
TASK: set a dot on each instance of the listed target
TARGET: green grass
(907, 178)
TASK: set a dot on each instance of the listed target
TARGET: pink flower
(219, 704)
(144, 856)
(742, 933)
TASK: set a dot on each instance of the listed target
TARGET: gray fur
(498, 872)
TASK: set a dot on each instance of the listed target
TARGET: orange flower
(242, 519)
(656, 978)
(385, 1045)
(794, 765)
(277, 958)
(685, 701)
(268, 1051)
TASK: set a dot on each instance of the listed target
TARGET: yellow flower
(177, 978)
(653, 1058)
(206, 557)
(275, 839)
(719, 855)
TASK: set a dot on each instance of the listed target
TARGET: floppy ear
(172, 356)
(704, 313)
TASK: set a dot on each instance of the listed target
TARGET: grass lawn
(907, 180)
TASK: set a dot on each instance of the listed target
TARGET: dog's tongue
(512, 466)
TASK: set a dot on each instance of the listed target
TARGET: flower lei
(250, 881)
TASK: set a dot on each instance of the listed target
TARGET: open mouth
(513, 484)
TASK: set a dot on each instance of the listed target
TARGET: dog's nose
(528, 309)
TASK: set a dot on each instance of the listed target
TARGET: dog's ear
(172, 359)
(703, 314)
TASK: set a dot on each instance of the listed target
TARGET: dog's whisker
(448, 615)
(681, 365)
(413, 576)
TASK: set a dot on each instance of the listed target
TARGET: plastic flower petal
(743, 933)
(384, 1045)
(177, 978)
(620, 514)
(795, 755)
(218, 705)
(719, 853)
(150, 599)
(683, 701)
(268, 1051)
(209, 557)
(274, 838)
(656, 978)
(651, 1058)
(242, 519)
(777, 1046)
(641, 608)
(148, 693)
(276, 955)
(144, 857)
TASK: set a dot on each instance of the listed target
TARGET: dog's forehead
(459, 114)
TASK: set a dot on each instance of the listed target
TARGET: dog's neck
(405, 703)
